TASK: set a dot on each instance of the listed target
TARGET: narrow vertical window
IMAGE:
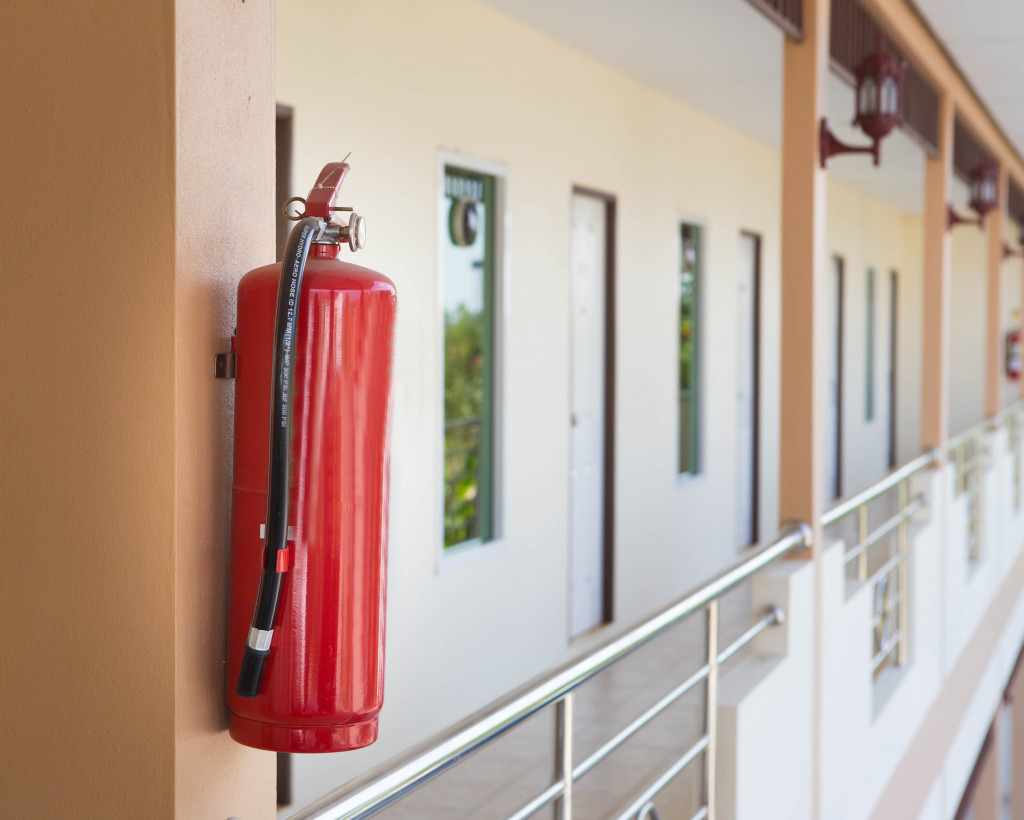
(869, 356)
(468, 300)
(688, 291)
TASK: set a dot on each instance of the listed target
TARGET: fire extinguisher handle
(251, 673)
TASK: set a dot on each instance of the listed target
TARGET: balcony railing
(876, 556)
(392, 782)
(886, 562)
(967, 452)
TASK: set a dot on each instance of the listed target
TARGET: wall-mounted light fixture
(984, 195)
(1009, 252)
(879, 102)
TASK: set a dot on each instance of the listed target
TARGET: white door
(746, 392)
(833, 379)
(587, 400)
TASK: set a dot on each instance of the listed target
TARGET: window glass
(468, 300)
(688, 293)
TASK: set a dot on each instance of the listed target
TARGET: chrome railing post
(711, 706)
(974, 488)
(564, 726)
(1015, 441)
(862, 542)
(902, 591)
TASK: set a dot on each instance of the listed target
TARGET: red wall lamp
(984, 196)
(879, 104)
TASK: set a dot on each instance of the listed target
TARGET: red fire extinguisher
(310, 492)
(1014, 354)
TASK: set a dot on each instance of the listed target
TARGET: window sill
(685, 479)
(469, 552)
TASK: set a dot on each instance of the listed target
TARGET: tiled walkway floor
(505, 775)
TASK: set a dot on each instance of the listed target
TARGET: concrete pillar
(140, 145)
(936, 285)
(994, 225)
(804, 263)
(801, 494)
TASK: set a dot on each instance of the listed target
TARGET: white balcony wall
(867, 725)
(894, 747)
(967, 319)
(409, 80)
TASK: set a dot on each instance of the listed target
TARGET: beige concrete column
(936, 285)
(801, 494)
(224, 219)
(994, 235)
(138, 151)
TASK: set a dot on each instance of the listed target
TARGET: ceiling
(986, 39)
(722, 57)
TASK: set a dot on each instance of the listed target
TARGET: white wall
(967, 320)
(866, 233)
(409, 80)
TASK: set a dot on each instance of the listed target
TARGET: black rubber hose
(254, 658)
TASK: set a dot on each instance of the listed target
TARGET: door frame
(608, 489)
(894, 361)
(755, 509)
(839, 267)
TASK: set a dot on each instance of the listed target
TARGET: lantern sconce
(984, 196)
(879, 101)
(1009, 252)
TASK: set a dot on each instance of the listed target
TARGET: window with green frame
(467, 206)
(688, 291)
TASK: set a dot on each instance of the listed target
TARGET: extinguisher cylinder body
(323, 684)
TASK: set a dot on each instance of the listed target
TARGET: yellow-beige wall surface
(87, 484)
(130, 217)
(417, 82)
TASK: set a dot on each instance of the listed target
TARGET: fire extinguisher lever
(258, 643)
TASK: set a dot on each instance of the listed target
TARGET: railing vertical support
(564, 724)
(902, 574)
(862, 542)
(711, 705)
(979, 483)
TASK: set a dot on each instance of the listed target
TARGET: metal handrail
(975, 431)
(890, 482)
(397, 778)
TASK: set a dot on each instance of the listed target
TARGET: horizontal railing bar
(391, 781)
(851, 504)
(634, 727)
(886, 650)
(770, 618)
(700, 815)
(977, 431)
(662, 780)
(886, 568)
(886, 528)
(545, 798)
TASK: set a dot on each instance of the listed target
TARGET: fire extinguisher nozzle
(251, 673)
